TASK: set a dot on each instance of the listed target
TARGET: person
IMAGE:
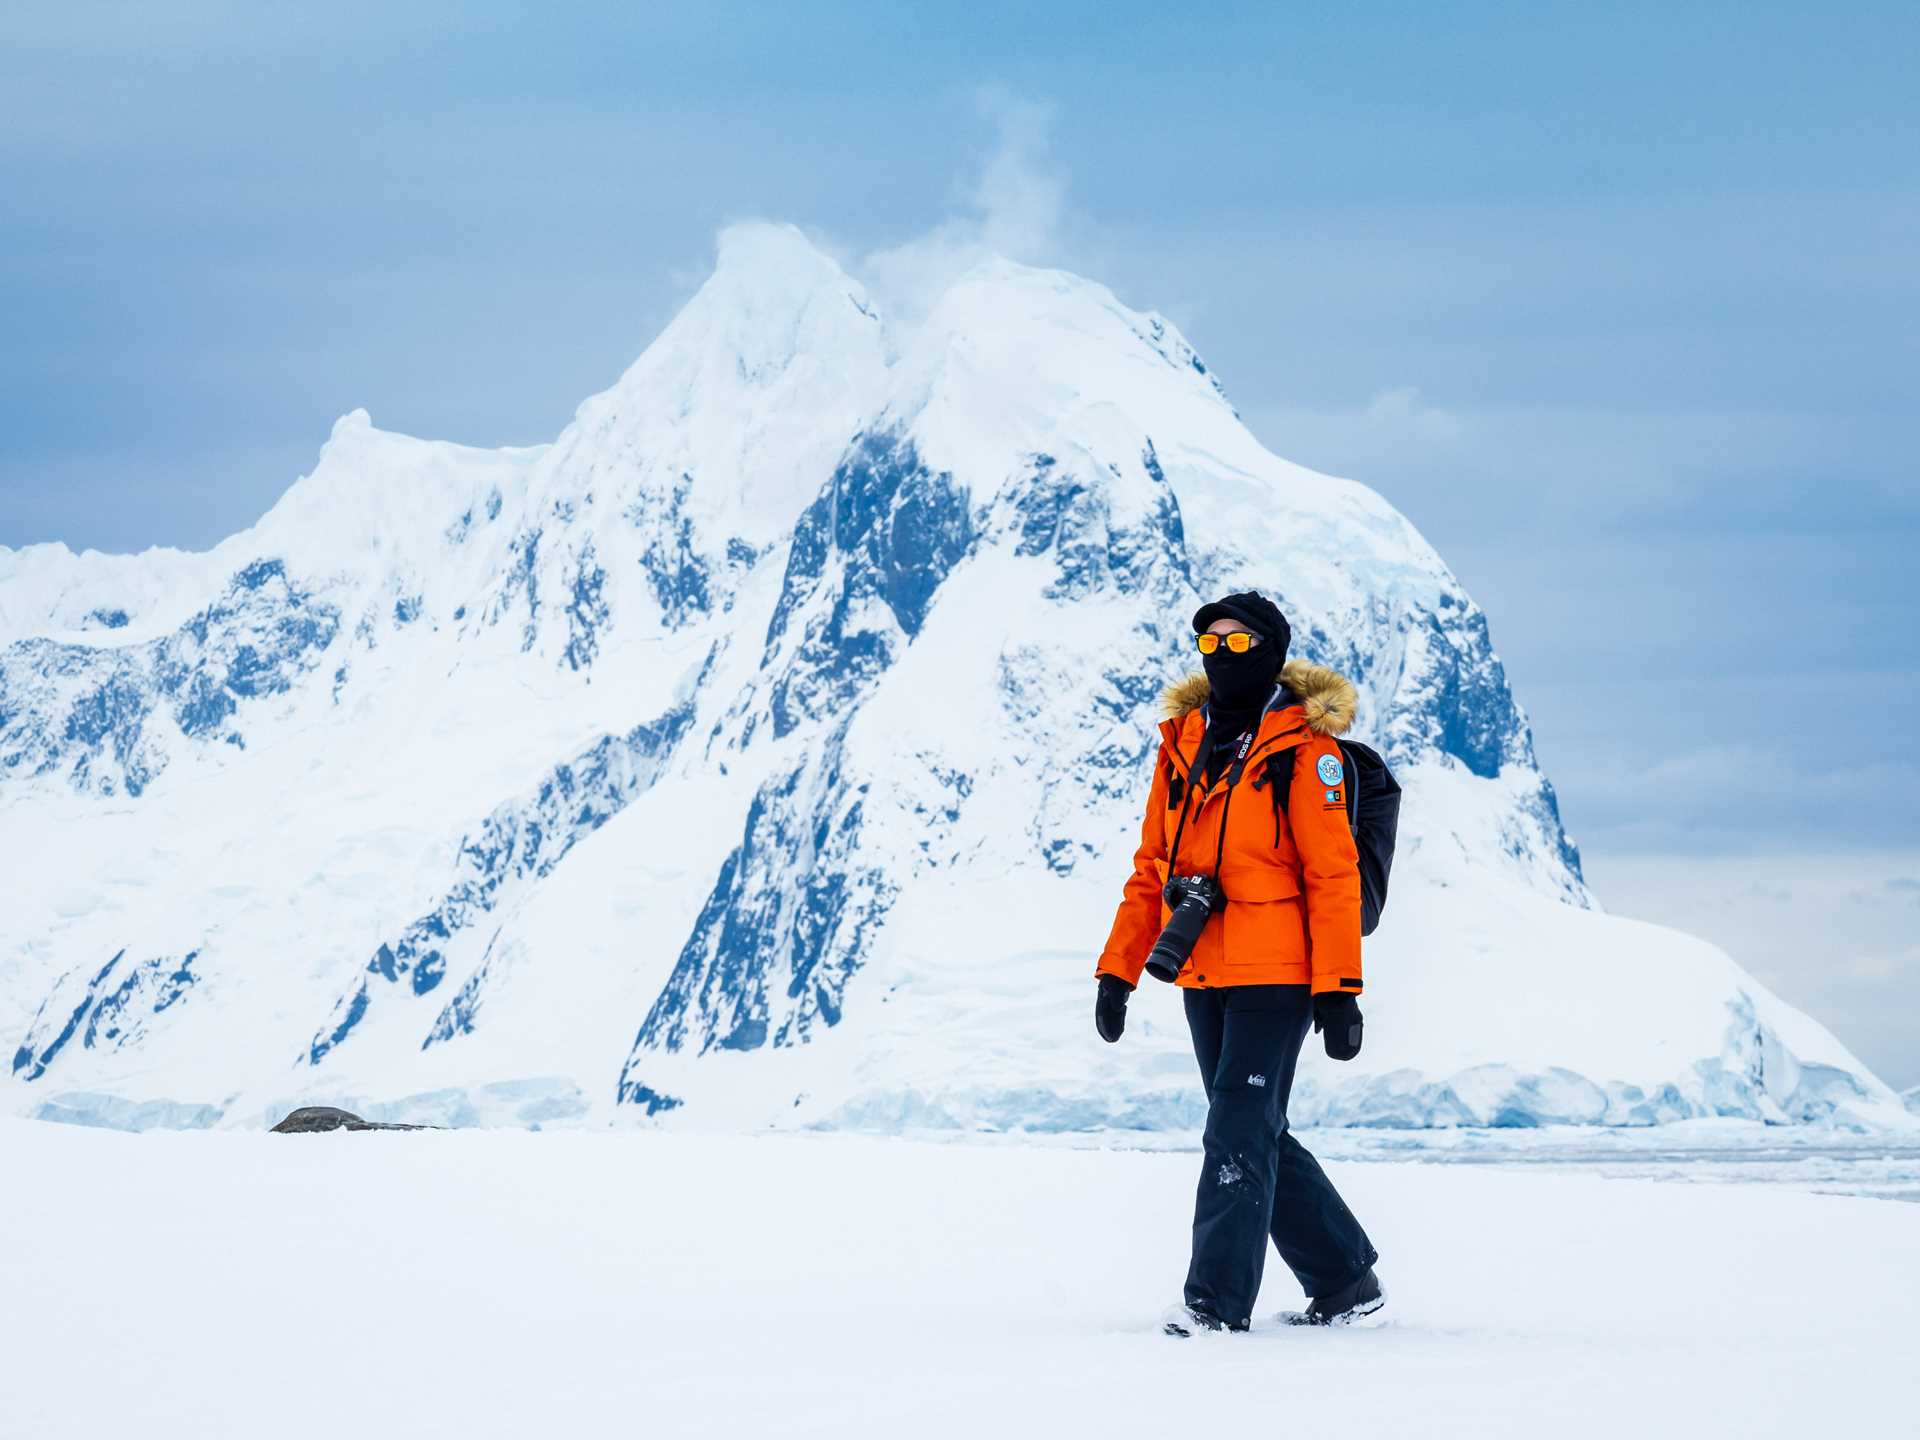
(1282, 952)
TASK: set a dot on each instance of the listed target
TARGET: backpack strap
(1278, 772)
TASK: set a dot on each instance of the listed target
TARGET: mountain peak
(773, 297)
(1041, 349)
(350, 423)
(747, 396)
(768, 247)
(772, 288)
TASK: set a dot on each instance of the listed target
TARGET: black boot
(1343, 1306)
(1186, 1321)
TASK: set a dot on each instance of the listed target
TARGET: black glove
(1339, 1015)
(1110, 1009)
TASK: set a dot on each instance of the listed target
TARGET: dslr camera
(1193, 898)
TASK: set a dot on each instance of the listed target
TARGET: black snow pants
(1256, 1180)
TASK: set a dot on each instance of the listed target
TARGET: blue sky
(1620, 303)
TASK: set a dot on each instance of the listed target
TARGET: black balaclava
(1239, 685)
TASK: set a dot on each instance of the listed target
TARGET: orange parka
(1291, 876)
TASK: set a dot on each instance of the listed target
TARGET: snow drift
(768, 750)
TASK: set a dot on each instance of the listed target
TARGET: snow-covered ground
(488, 1283)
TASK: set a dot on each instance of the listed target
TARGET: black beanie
(1256, 612)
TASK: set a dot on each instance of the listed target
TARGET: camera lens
(1195, 905)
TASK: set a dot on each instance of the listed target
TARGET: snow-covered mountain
(768, 750)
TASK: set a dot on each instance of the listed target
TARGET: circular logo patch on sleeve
(1331, 771)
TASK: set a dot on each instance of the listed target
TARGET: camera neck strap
(1199, 769)
(1233, 783)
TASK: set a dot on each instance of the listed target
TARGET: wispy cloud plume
(1019, 198)
(1014, 206)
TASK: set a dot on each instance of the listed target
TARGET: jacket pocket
(1264, 923)
(1264, 935)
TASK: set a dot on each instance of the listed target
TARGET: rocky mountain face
(769, 749)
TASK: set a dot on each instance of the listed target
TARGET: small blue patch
(1331, 771)
(1333, 797)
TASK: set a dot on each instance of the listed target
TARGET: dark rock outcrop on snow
(313, 1119)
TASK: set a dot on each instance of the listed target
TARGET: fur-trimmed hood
(1326, 697)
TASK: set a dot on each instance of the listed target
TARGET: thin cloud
(1020, 197)
(1014, 206)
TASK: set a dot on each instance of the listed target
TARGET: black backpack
(1373, 815)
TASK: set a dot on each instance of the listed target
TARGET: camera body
(1193, 899)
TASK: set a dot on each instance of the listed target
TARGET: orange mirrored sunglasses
(1238, 641)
